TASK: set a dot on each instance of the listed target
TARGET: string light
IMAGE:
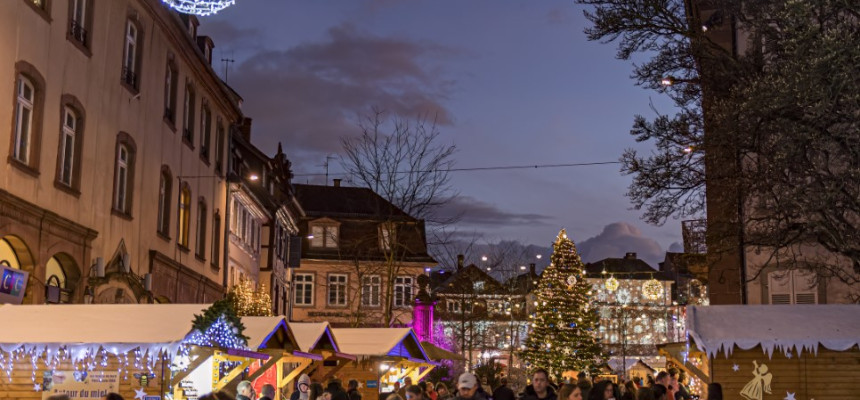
(652, 289)
(199, 7)
(611, 284)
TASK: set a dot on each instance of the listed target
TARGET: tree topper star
(139, 393)
(736, 368)
(789, 396)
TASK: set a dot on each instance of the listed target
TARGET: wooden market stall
(384, 356)
(136, 350)
(795, 352)
(316, 338)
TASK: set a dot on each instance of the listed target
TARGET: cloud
(616, 240)
(477, 212)
(229, 37)
(313, 94)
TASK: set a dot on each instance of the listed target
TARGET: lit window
(184, 216)
(337, 289)
(304, 289)
(324, 236)
(23, 120)
(387, 236)
(67, 146)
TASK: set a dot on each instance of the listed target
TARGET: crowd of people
(667, 385)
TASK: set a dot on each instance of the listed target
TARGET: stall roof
(312, 336)
(437, 353)
(786, 327)
(262, 330)
(395, 342)
(97, 323)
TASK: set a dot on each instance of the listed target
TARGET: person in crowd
(651, 381)
(672, 387)
(503, 392)
(604, 390)
(683, 392)
(442, 392)
(267, 392)
(715, 391)
(584, 384)
(303, 388)
(467, 387)
(570, 391)
(407, 382)
(243, 391)
(414, 392)
(539, 389)
(336, 390)
(113, 396)
(429, 392)
(393, 396)
(629, 392)
(216, 396)
(352, 390)
(645, 393)
(59, 397)
(660, 392)
(397, 389)
(316, 392)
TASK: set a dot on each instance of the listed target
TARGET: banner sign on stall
(13, 284)
(79, 384)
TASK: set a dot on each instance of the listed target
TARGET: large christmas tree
(562, 336)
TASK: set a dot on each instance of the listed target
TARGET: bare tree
(403, 161)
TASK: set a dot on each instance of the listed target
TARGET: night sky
(511, 83)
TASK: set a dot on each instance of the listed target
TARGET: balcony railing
(129, 77)
(78, 32)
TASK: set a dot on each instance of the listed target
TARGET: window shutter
(295, 256)
(779, 286)
(805, 287)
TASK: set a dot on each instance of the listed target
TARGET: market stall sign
(13, 284)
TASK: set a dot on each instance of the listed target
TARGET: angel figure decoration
(759, 385)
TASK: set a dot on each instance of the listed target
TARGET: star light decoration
(611, 284)
(652, 289)
(789, 396)
(199, 7)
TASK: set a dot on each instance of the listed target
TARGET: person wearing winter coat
(303, 388)
(540, 388)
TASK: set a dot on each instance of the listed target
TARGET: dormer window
(387, 236)
(324, 236)
(479, 286)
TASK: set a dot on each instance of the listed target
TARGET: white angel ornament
(759, 385)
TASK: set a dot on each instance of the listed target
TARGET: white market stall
(137, 350)
(316, 339)
(791, 352)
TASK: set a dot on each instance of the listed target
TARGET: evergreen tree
(562, 336)
(250, 301)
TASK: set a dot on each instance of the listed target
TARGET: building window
(205, 132)
(42, 7)
(337, 289)
(123, 159)
(219, 146)
(403, 291)
(67, 146)
(188, 116)
(23, 120)
(216, 240)
(79, 21)
(164, 189)
(370, 290)
(324, 236)
(184, 215)
(201, 229)
(131, 52)
(453, 306)
(792, 287)
(170, 93)
(387, 236)
(478, 286)
(304, 289)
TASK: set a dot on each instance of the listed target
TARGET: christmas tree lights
(563, 336)
(249, 301)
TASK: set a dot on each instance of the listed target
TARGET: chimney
(630, 256)
(460, 259)
(336, 182)
(533, 269)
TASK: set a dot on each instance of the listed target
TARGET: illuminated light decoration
(623, 296)
(652, 289)
(199, 7)
(571, 281)
(611, 284)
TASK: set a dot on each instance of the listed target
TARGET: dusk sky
(512, 83)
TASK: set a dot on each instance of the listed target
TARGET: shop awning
(437, 353)
(269, 333)
(103, 324)
(392, 342)
(312, 336)
(784, 327)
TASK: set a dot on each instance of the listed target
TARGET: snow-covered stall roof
(394, 342)
(261, 331)
(784, 327)
(309, 335)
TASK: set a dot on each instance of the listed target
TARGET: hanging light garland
(652, 289)
(611, 284)
(199, 7)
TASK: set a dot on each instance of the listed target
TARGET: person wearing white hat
(467, 386)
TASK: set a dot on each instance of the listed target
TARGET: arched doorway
(61, 279)
(16, 255)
